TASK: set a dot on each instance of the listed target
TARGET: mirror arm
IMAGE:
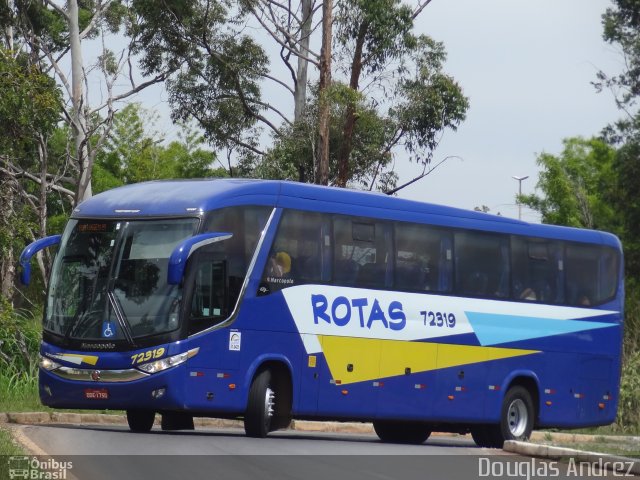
(30, 251)
(182, 252)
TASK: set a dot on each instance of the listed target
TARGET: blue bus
(270, 300)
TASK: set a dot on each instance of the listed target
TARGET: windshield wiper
(120, 316)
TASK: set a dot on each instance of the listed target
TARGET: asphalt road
(113, 452)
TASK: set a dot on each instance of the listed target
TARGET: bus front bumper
(113, 389)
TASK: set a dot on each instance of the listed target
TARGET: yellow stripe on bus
(354, 360)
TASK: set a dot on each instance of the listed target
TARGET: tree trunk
(350, 114)
(324, 109)
(79, 124)
(43, 257)
(7, 260)
(300, 89)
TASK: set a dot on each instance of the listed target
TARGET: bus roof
(162, 198)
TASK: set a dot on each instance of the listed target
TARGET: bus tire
(484, 436)
(140, 421)
(402, 432)
(517, 415)
(261, 406)
(516, 420)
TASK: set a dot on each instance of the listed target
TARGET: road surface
(112, 452)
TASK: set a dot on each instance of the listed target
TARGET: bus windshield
(109, 280)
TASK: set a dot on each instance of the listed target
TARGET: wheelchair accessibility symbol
(108, 329)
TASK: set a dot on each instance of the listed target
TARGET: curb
(578, 437)
(34, 418)
(600, 460)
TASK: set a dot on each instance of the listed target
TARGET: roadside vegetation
(8, 446)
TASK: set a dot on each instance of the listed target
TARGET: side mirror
(30, 251)
(182, 252)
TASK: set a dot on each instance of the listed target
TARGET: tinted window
(228, 260)
(300, 251)
(362, 253)
(482, 264)
(422, 258)
(537, 270)
(591, 274)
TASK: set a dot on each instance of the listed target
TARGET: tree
(578, 186)
(621, 24)
(53, 32)
(29, 111)
(221, 72)
(621, 28)
(134, 153)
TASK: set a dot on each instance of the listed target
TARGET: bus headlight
(48, 364)
(165, 363)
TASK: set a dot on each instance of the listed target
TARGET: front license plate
(96, 393)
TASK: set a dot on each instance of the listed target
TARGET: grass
(7, 445)
(621, 449)
(615, 444)
(19, 392)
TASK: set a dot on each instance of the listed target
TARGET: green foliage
(30, 104)
(19, 339)
(627, 201)
(431, 101)
(135, 154)
(621, 24)
(20, 334)
(578, 186)
(385, 26)
(291, 156)
(629, 401)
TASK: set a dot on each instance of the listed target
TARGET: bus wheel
(261, 406)
(402, 432)
(516, 420)
(140, 421)
(517, 416)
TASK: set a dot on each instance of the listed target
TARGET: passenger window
(537, 270)
(481, 264)
(591, 276)
(246, 225)
(300, 253)
(423, 258)
(362, 253)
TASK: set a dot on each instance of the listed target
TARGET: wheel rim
(517, 418)
(269, 402)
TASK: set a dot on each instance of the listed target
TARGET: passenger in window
(528, 294)
(584, 301)
(280, 265)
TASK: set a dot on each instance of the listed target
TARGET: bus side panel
(460, 393)
(415, 393)
(350, 387)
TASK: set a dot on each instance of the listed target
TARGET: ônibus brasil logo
(34, 468)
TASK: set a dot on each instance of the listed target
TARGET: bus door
(217, 362)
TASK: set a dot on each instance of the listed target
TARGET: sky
(527, 68)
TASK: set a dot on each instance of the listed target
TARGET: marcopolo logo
(363, 312)
(34, 468)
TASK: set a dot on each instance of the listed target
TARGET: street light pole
(519, 179)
